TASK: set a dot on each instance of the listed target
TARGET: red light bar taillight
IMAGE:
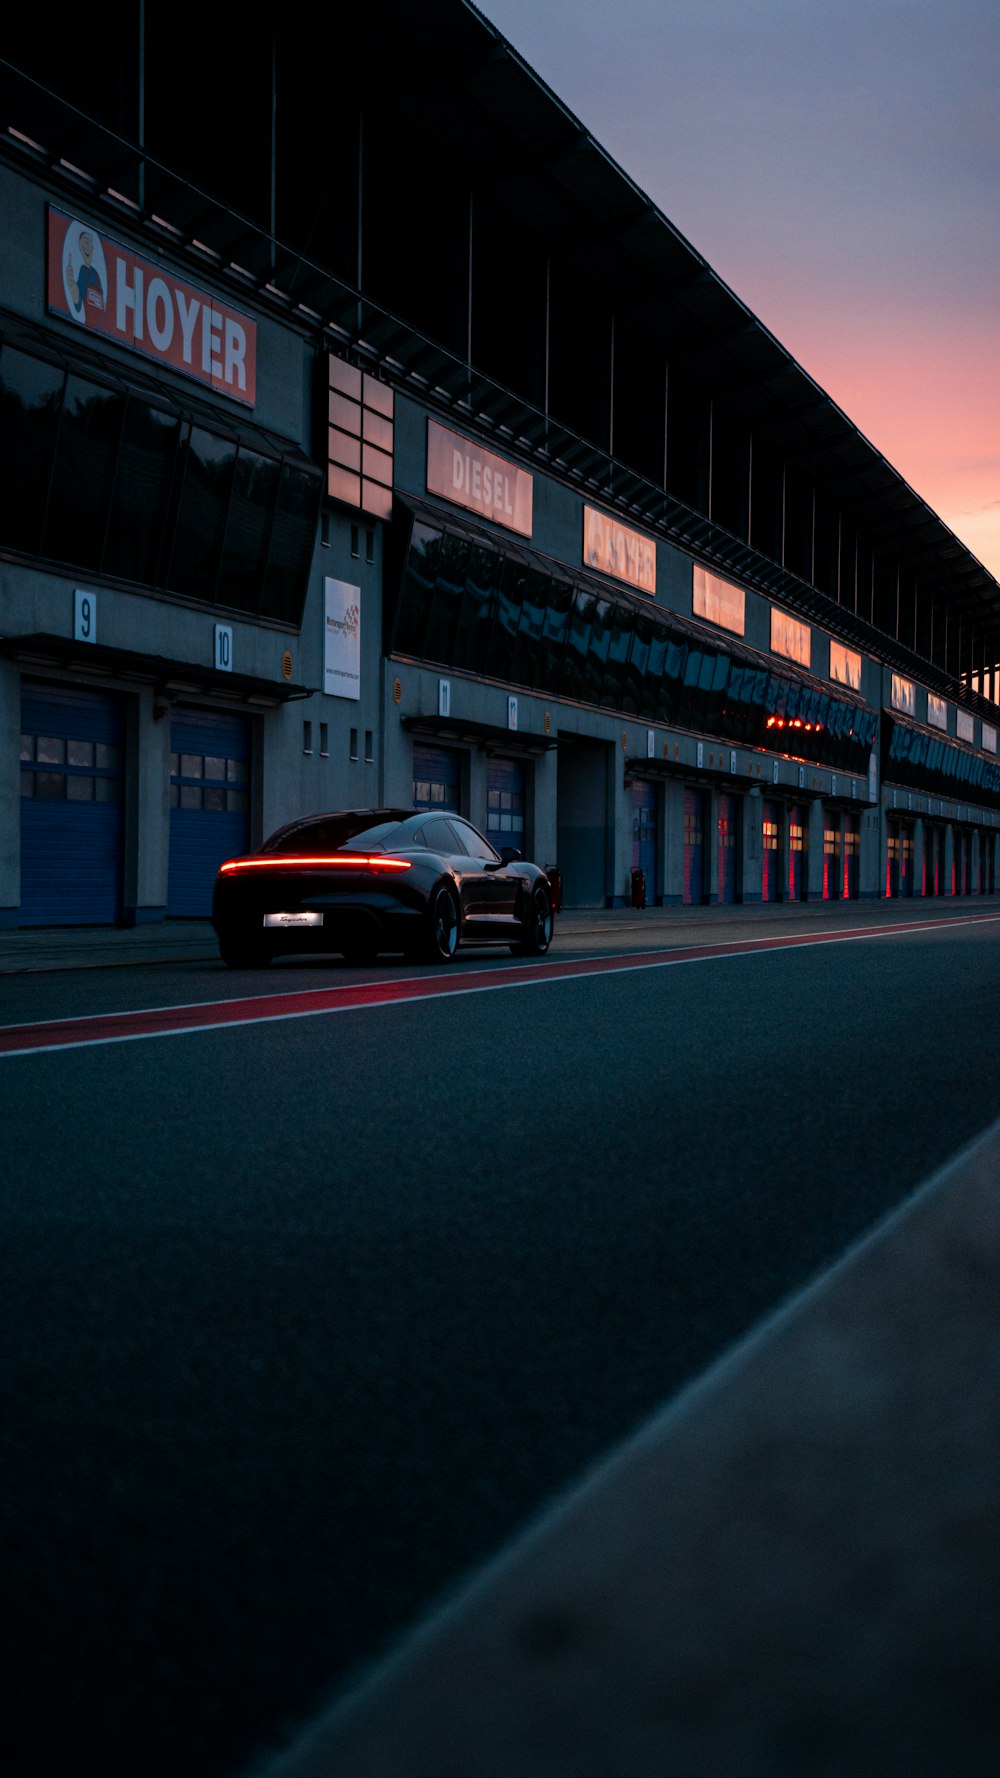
(337, 861)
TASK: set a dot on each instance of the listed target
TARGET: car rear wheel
(443, 920)
(536, 933)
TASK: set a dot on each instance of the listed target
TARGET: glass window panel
(248, 531)
(174, 797)
(619, 643)
(597, 650)
(215, 767)
(79, 753)
(201, 517)
(506, 620)
(108, 790)
(83, 473)
(577, 643)
(190, 796)
(192, 765)
(50, 784)
(555, 628)
(292, 540)
(51, 750)
(215, 797)
(416, 589)
(27, 746)
(106, 756)
(175, 764)
(446, 601)
(477, 609)
(236, 802)
(634, 692)
(27, 783)
(527, 650)
(30, 403)
(79, 789)
(140, 499)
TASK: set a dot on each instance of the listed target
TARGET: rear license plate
(308, 919)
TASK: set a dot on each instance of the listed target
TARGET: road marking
(260, 1009)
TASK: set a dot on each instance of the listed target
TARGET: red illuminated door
(728, 820)
(833, 872)
(798, 852)
(771, 852)
(905, 858)
(892, 859)
(851, 834)
(694, 846)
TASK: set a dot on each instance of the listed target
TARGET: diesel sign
(470, 476)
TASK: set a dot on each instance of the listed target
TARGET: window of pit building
(989, 738)
(937, 711)
(904, 695)
(965, 726)
(719, 601)
(790, 638)
(845, 666)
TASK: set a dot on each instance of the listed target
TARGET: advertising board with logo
(613, 548)
(342, 639)
(477, 479)
(110, 290)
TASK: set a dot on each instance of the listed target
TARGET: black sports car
(369, 880)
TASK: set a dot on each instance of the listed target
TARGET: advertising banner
(613, 548)
(477, 479)
(110, 290)
(342, 640)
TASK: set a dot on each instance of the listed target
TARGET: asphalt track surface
(304, 1316)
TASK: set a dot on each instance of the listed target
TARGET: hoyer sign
(477, 479)
(614, 549)
(107, 289)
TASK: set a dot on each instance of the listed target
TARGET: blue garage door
(71, 806)
(505, 798)
(798, 852)
(436, 777)
(209, 804)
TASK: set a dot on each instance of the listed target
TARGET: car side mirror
(509, 855)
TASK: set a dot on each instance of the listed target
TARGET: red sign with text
(108, 289)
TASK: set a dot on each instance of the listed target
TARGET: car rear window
(333, 832)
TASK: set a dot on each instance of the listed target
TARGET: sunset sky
(837, 162)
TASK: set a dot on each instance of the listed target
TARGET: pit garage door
(694, 846)
(728, 821)
(933, 860)
(770, 886)
(644, 835)
(505, 802)
(798, 853)
(436, 778)
(209, 804)
(960, 863)
(833, 865)
(71, 806)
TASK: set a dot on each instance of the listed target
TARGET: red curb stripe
(120, 1027)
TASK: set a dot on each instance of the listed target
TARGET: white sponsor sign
(342, 640)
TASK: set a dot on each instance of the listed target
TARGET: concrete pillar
(948, 887)
(543, 810)
(817, 825)
(147, 808)
(752, 822)
(619, 832)
(673, 821)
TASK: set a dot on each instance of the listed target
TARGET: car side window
(474, 843)
(438, 836)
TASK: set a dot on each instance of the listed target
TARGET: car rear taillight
(376, 861)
